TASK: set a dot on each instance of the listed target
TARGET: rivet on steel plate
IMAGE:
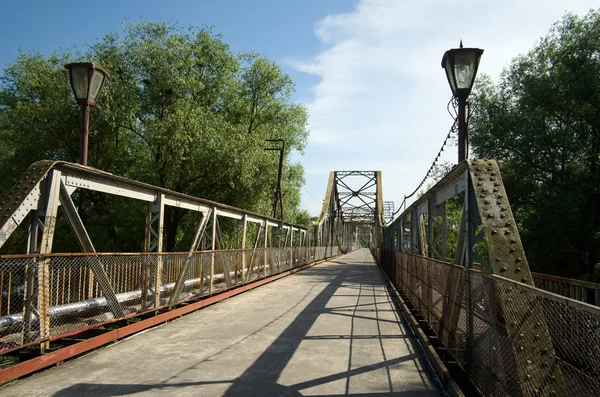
(490, 216)
(517, 270)
(499, 196)
(482, 195)
(512, 250)
(503, 269)
(524, 280)
(503, 209)
(497, 259)
(518, 260)
(478, 183)
(494, 231)
(486, 202)
(502, 216)
(512, 241)
(506, 232)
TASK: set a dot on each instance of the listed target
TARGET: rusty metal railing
(462, 307)
(44, 297)
(583, 291)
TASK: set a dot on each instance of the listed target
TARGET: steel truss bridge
(453, 260)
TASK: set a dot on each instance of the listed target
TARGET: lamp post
(87, 80)
(461, 67)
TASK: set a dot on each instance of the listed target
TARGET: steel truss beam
(486, 217)
(46, 185)
(352, 198)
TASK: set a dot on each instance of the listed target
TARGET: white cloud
(381, 100)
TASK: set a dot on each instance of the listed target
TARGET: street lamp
(87, 80)
(461, 67)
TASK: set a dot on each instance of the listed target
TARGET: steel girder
(422, 230)
(48, 185)
(352, 198)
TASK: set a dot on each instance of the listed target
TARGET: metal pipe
(84, 133)
(462, 128)
(7, 322)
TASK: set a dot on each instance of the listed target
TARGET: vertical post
(44, 293)
(213, 247)
(291, 247)
(159, 246)
(243, 246)
(84, 134)
(462, 128)
(444, 232)
(470, 208)
(430, 238)
(266, 235)
(29, 284)
(401, 234)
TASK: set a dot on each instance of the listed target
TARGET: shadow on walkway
(354, 272)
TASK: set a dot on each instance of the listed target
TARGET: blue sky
(368, 71)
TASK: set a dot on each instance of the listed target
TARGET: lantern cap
(461, 66)
(87, 80)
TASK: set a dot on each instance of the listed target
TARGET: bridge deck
(328, 330)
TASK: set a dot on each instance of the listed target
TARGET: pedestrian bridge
(331, 329)
(433, 305)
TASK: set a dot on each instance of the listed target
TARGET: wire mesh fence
(495, 328)
(46, 297)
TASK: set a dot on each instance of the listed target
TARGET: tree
(181, 111)
(542, 121)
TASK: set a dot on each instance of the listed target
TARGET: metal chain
(453, 130)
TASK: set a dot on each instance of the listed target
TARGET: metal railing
(462, 307)
(584, 291)
(45, 297)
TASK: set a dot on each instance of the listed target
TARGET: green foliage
(542, 121)
(181, 111)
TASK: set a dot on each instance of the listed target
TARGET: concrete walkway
(330, 330)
